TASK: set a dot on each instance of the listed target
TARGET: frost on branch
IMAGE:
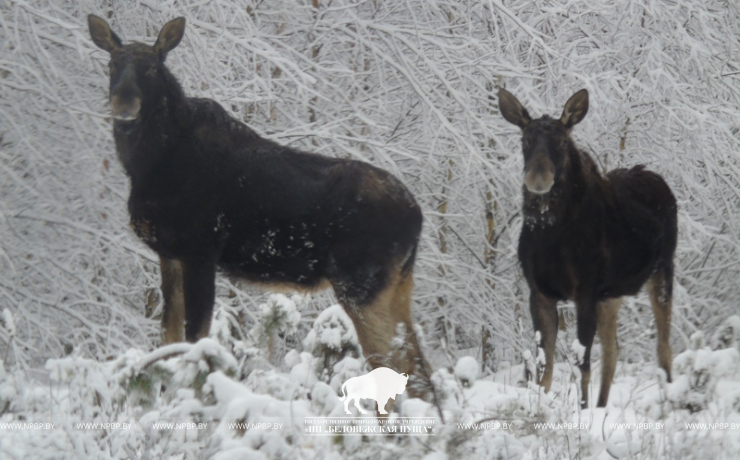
(727, 334)
(7, 322)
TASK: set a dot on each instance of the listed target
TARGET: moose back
(207, 192)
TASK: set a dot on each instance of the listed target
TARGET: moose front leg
(586, 318)
(199, 287)
(173, 314)
(545, 320)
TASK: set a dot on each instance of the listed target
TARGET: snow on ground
(187, 401)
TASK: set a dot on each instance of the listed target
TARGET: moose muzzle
(539, 175)
(125, 97)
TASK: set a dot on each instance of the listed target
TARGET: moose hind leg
(408, 357)
(173, 314)
(376, 315)
(660, 289)
(545, 320)
(606, 324)
(374, 326)
(199, 277)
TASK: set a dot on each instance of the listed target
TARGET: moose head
(137, 71)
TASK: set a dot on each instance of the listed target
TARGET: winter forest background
(407, 86)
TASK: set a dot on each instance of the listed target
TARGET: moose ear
(101, 34)
(170, 36)
(512, 109)
(575, 109)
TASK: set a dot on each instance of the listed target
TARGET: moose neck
(572, 184)
(141, 143)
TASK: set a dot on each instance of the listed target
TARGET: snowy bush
(466, 370)
(700, 369)
(278, 317)
(332, 339)
(194, 384)
(344, 370)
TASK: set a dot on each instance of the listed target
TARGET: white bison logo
(380, 384)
